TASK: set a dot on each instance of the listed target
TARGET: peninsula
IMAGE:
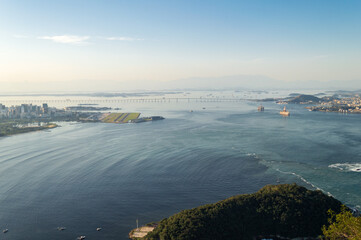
(335, 103)
(351, 104)
(10, 127)
(275, 211)
(341, 103)
(27, 117)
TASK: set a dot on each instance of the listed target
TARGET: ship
(260, 108)
(285, 112)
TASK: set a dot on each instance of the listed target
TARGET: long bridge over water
(117, 100)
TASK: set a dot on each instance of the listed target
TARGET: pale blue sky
(289, 40)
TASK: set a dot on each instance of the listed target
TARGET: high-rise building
(45, 108)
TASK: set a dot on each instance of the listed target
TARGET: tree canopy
(286, 210)
(342, 226)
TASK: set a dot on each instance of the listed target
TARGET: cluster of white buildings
(351, 102)
(343, 105)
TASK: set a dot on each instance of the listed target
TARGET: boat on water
(285, 112)
(260, 108)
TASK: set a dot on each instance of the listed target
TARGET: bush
(342, 226)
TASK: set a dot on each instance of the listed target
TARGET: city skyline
(138, 43)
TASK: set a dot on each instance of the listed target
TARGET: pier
(141, 232)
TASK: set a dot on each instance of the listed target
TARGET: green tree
(342, 226)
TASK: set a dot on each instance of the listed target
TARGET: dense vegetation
(284, 210)
(343, 226)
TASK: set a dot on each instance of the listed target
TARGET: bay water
(87, 175)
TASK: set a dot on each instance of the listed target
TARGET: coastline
(281, 211)
(29, 129)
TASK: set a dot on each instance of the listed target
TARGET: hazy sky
(289, 40)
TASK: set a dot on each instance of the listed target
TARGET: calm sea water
(84, 176)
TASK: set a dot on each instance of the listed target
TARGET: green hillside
(305, 99)
(285, 210)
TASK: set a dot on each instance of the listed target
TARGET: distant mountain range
(258, 82)
(239, 82)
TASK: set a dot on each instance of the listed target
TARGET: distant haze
(241, 82)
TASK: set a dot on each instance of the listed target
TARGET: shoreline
(247, 216)
(30, 129)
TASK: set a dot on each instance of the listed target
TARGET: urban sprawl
(343, 105)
